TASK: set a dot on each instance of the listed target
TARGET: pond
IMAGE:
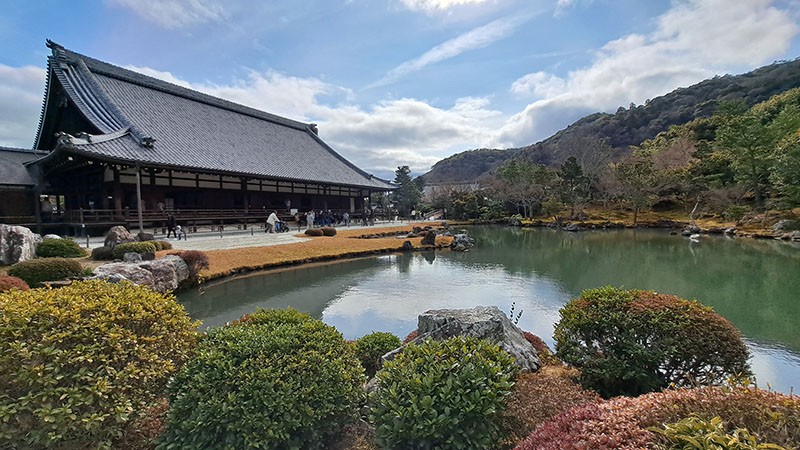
(755, 284)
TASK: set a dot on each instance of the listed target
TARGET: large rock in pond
(429, 238)
(481, 322)
(17, 244)
(161, 275)
(118, 235)
(462, 242)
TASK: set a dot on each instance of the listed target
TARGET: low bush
(411, 336)
(102, 253)
(196, 260)
(78, 363)
(314, 232)
(540, 396)
(624, 422)
(141, 248)
(371, 347)
(34, 271)
(275, 379)
(144, 237)
(443, 394)
(694, 433)
(162, 245)
(59, 248)
(633, 342)
(328, 231)
(8, 282)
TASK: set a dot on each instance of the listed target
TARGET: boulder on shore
(118, 235)
(481, 322)
(17, 244)
(161, 275)
(786, 225)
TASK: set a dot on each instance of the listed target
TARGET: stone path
(240, 239)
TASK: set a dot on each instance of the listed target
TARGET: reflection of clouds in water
(380, 301)
(775, 366)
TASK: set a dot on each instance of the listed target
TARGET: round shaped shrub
(77, 363)
(34, 271)
(633, 342)
(8, 282)
(314, 232)
(162, 245)
(273, 381)
(443, 394)
(328, 231)
(625, 422)
(133, 247)
(102, 253)
(59, 248)
(371, 347)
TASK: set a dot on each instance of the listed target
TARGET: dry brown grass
(345, 244)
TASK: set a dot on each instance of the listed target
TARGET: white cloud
(21, 96)
(692, 41)
(538, 84)
(174, 13)
(434, 6)
(476, 38)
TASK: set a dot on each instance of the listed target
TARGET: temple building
(118, 147)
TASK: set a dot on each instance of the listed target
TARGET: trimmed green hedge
(445, 395)
(134, 247)
(102, 253)
(34, 271)
(59, 248)
(78, 363)
(372, 347)
(275, 380)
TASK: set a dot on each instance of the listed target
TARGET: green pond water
(755, 284)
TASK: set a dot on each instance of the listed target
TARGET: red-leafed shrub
(546, 355)
(539, 396)
(633, 342)
(411, 336)
(623, 422)
(196, 261)
(7, 282)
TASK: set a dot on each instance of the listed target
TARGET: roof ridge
(130, 76)
(22, 150)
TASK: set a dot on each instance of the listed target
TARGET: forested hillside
(599, 138)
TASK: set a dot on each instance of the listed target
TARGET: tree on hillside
(747, 142)
(525, 184)
(408, 195)
(638, 179)
(574, 184)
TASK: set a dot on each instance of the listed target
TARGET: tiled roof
(173, 126)
(12, 169)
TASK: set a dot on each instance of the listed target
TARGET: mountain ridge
(599, 137)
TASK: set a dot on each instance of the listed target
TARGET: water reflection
(752, 283)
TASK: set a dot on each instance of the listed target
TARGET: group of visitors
(322, 218)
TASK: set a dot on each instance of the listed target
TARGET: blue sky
(402, 82)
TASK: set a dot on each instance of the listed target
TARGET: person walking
(271, 222)
(346, 218)
(171, 223)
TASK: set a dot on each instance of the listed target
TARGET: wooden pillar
(139, 196)
(118, 193)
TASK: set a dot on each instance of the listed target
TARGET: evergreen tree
(408, 195)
